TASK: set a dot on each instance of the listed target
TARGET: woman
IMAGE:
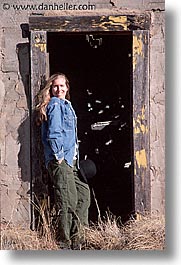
(59, 136)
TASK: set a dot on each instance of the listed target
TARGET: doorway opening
(99, 68)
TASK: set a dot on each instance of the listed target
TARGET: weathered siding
(157, 112)
(15, 96)
(14, 132)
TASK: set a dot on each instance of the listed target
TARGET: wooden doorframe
(139, 25)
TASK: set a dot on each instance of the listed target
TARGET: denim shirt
(59, 132)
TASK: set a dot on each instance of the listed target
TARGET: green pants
(72, 200)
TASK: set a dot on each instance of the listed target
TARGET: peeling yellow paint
(134, 124)
(41, 46)
(138, 124)
(112, 21)
(141, 158)
(137, 130)
(137, 49)
(144, 129)
(102, 24)
(139, 217)
(119, 20)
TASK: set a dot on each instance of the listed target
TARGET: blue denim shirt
(59, 132)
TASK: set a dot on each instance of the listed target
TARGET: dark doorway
(99, 67)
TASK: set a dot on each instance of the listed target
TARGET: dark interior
(99, 67)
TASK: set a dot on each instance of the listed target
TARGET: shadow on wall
(24, 129)
(24, 152)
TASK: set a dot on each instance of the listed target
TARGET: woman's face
(59, 88)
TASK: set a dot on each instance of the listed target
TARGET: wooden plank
(89, 23)
(38, 62)
(138, 22)
(38, 77)
(141, 120)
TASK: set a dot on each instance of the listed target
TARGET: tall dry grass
(23, 238)
(146, 233)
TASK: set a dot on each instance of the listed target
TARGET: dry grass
(19, 238)
(147, 233)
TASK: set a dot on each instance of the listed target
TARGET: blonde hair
(44, 95)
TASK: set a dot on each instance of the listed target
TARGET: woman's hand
(60, 161)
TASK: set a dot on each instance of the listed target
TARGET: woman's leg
(65, 194)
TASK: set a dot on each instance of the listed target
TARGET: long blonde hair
(43, 97)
